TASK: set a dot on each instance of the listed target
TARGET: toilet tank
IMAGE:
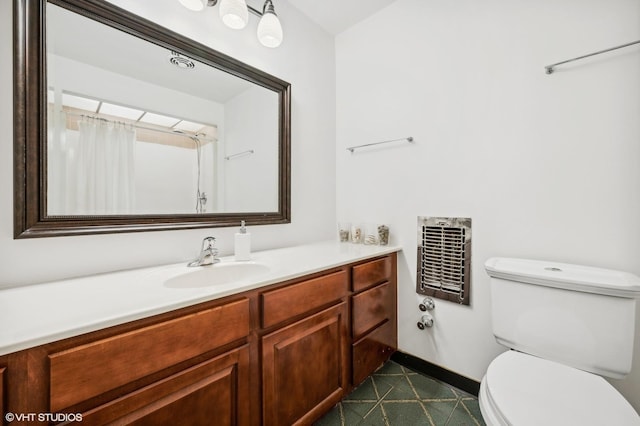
(576, 315)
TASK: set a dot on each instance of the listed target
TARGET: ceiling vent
(181, 61)
(444, 258)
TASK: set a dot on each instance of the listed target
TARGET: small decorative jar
(383, 235)
(344, 231)
(370, 234)
(356, 234)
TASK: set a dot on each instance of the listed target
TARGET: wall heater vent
(444, 258)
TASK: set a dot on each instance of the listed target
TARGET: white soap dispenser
(243, 243)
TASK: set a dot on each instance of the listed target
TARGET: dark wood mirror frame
(30, 124)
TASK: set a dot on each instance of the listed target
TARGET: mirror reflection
(134, 128)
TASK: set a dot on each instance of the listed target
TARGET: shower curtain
(104, 168)
(90, 171)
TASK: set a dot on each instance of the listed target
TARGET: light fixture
(195, 5)
(235, 14)
(269, 28)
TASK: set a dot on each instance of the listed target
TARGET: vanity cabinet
(305, 363)
(374, 316)
(283, 354)
(186, 367)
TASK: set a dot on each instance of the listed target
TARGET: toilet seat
(520, 389)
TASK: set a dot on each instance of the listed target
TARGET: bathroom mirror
(122, 125)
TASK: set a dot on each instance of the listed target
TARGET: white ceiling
(336, 16)
(86, 40)
(75, 37)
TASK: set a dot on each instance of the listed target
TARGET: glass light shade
(270, 30)
(234, 13)
(195, 5)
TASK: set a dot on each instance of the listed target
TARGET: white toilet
(567, 326)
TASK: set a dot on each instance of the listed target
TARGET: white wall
(305, 59)
(167, 178)
(547, 166)
(251, 124)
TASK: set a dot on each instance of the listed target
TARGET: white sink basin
(219, 273)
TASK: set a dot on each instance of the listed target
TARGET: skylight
(79, 102)
(188, 126)
(159, 120)
(120, 111)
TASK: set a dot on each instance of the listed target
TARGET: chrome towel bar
(247, 152)
(549, 68)
(353, 148)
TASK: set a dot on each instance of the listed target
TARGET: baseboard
(425, 367)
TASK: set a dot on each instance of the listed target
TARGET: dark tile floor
(397, 396)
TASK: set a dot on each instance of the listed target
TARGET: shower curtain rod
(138, 126)
(549, 68)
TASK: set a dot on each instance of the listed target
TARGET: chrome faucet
(208, 254)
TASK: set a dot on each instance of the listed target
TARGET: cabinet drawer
(373, 350)
(284, 303)
(371, 308)
(214, 391)
(83, 372)
(371, 273)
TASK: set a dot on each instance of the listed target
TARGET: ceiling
(75, 37)
(335, 16)
(128, 55)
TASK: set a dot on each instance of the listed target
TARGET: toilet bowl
(524, 390)
(566, 326)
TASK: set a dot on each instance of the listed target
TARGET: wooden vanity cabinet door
(214, 392)
(305, 368)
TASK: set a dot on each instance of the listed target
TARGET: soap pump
(243, 243)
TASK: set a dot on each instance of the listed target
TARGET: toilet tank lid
(566, 276)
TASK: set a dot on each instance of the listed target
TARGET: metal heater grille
(444, 258)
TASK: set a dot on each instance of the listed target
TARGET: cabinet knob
(427, 304)
(425, 322)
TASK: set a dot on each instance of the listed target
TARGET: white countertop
(37, 314)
